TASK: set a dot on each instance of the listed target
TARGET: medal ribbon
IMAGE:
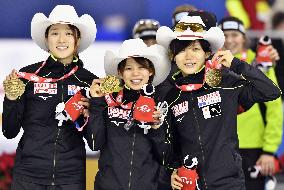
(118, 101)
(35, 78)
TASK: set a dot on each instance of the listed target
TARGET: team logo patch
(180, 108)
(211, 111)
(73, 89)
(209, 99)
(118, 113)
(45, 88)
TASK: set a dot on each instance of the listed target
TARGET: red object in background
(277, 165)
(262, 54)
(189, 178)
(250, 7)
(6, 166)
(144, 108)
(73, 108)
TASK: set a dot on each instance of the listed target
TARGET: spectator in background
(146, 30)
(259, 128)
(180, 11)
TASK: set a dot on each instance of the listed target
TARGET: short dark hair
(176, 46)
(146, 63)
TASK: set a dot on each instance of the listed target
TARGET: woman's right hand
(95, 89)
(176, 180)
(11, 76)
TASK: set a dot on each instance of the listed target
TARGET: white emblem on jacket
(118, 113)
(45, 88)
(180, 108)
(208, 99)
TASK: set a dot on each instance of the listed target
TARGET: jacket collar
(55, 66)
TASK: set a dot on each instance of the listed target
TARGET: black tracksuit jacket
(129, 160)
(48, 154)
(203, 123)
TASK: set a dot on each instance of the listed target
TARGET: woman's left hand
(224, 57)
(86, 103)
(157, 119)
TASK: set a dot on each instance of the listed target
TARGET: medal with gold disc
(110, 84)
(14, 87)
(213, 77)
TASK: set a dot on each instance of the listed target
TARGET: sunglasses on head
(195, 27)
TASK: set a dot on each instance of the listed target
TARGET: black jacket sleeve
(96, 129)
(12, 117)
(256, 86)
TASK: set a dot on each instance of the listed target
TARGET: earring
(170, 55)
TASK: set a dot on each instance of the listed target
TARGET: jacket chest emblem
(45, 88)
(210, 104)
(73, 89)
(180, 108)
(118, 113)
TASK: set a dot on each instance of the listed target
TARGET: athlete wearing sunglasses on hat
(209, 87)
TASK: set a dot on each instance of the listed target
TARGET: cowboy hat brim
(85, 24)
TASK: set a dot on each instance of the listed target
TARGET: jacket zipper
(56, 139)
(54, 157)
(131, 161)
(200, 141)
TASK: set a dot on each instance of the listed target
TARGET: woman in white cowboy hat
(131, 149)
(51, 153)
(203, 106)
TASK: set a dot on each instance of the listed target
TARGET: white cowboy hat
(64, 14)
(214, 35)
(137, 48)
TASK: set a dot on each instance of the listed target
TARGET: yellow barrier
(91, 170)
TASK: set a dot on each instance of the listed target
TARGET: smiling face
(191, 59)
(235, 41)
(135, 75)
(61, 42)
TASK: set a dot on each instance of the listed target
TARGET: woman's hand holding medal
(13, 86)
(224, 57)
(103, 86)
(96, 89)
(157, 115)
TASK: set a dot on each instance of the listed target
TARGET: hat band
(189, 36)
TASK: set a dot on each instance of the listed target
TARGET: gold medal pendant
(14, 87)
(213, 77)
(110, 84)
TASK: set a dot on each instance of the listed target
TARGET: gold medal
(110, 84)
(213, 77)
(14, 87)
